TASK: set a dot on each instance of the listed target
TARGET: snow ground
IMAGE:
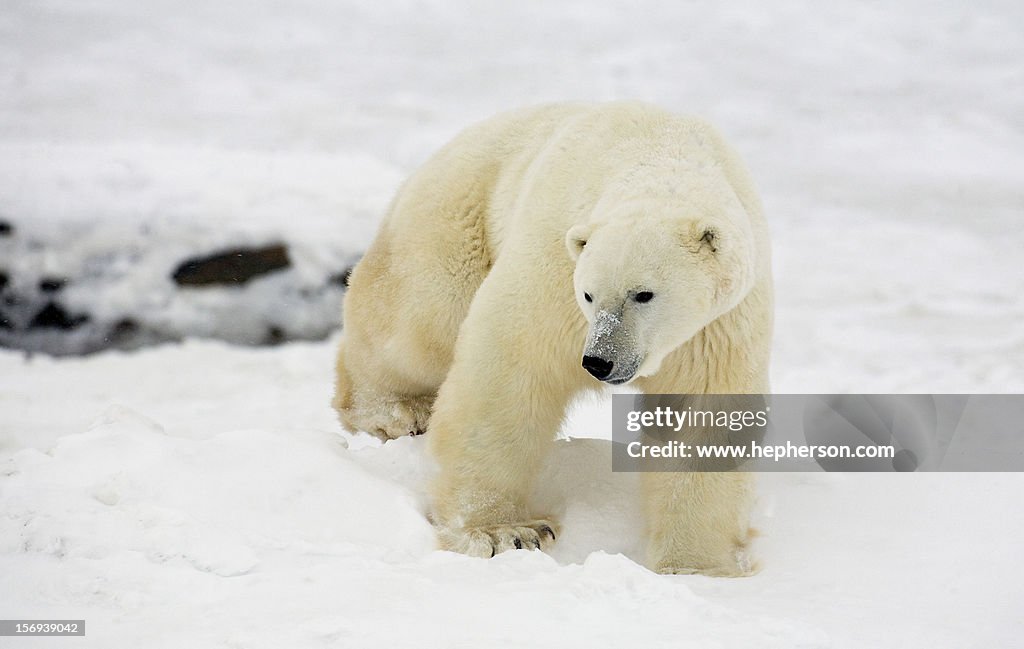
(202, 495)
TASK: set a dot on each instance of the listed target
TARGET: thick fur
(468, 315)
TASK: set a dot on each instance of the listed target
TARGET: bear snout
(598, 367)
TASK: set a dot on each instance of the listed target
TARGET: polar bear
(546, 252)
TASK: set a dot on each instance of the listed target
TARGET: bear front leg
(698, 523)
(490, 445)
(493, 424)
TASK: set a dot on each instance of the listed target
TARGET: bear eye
(587, 297)
(644, 296)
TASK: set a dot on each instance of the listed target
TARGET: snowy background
(201, 494)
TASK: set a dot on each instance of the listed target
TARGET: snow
(198, 494)
(171, 507)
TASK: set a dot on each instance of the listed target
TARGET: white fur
(468, 312)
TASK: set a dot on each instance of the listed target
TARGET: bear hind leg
(363, 404)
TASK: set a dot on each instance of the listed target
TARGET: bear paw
(392, 418)
(488, 540)
(739, 565)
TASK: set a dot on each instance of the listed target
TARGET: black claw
(545, 529)
(518, 543)
(492, 551)
(536, 544)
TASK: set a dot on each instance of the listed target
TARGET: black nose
(599, 367)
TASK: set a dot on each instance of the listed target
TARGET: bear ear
(697, 236)
(709, 238)
(576, 239)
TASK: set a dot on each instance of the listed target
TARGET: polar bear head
(647, 283)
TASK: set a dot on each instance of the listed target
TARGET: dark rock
(341, 279)
(124, 328)
(232, 267)
(53, 316)
(275, 336)
(52, 284)
(122, 332)
(6, 228)
(3, 279)
(5, 322)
